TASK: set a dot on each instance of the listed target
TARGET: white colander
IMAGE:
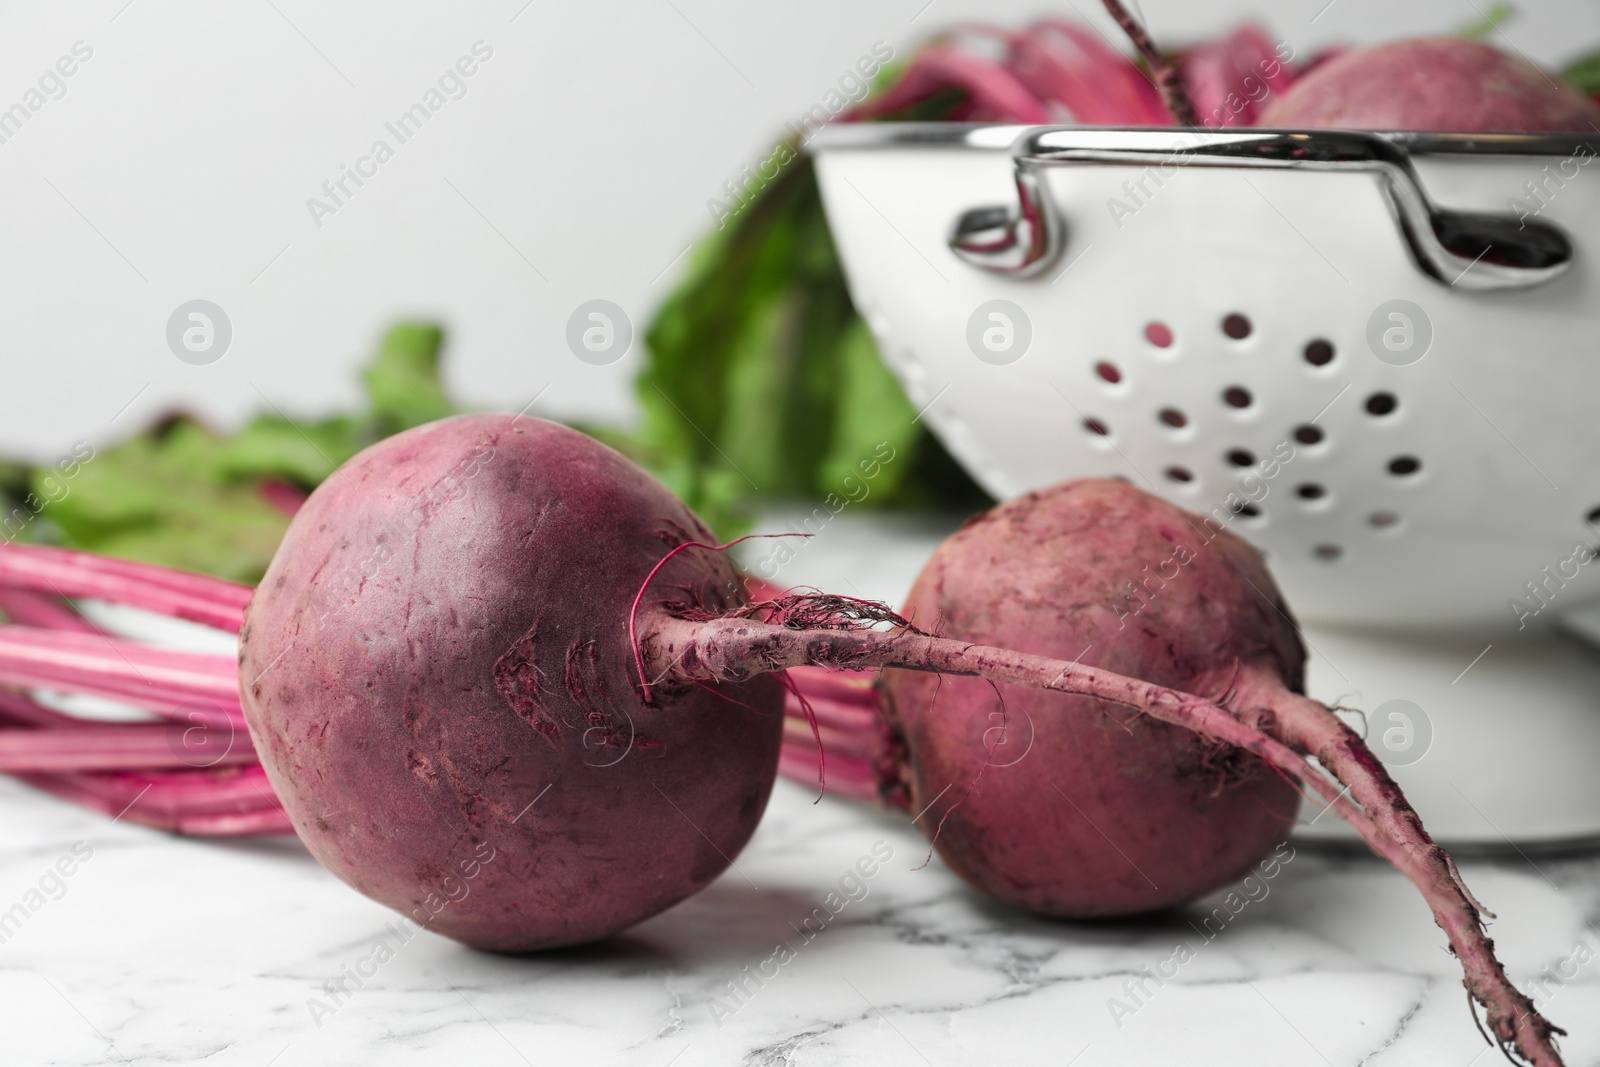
(1375, 356)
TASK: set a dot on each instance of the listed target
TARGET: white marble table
(159, 950)
(169, 951)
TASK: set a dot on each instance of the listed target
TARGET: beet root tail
(1310, 728)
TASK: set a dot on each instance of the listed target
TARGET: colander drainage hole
(1319, 353)
(1236, 326)
(1237, 396)
(1249, 511)
(1180, 474)
(1240, 458)
(1327, 553)
(1095, 426)
(1174, 418)
(1311, 491)
(1382, 520)
(1158, 334)
(1404, 465)
(1109, 372)
(1381, 404)
(1308, 434)
(1593, 517)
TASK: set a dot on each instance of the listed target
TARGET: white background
(578, 166)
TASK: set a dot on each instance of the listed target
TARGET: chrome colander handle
(1468, 250)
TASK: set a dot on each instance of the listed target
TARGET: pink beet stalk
(65, 573)
(160, 680)
(855, 744)
(17, 709)
(209, 786)
(117, 747)
(853, 779)
(1070, 65)
(1229, 81)
(45, 612)
(283, 496)
(993, 93)
(204, 805)
(187, 772)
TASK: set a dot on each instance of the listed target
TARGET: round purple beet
(1432, 83)
(437, 674)
(1071, 806)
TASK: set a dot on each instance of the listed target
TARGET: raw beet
(1083, 821)
(1124, 813)
(1432, 83)
(429, 677)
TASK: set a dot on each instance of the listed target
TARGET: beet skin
(1432, 83)
(437, 675)
(1076, 807)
